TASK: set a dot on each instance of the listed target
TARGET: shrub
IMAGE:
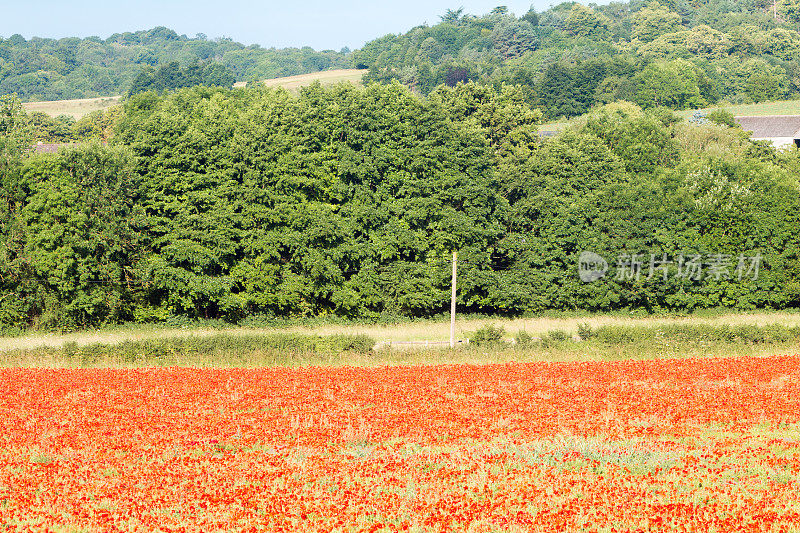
(487, 335)
(219, 347)
(723, 117)
(523, 339)
(615, 335)
(585, 332)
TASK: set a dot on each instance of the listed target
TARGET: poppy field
(678, 445)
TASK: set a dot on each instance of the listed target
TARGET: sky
(321, 25)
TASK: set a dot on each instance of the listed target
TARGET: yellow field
(75, 108)
(326, 77)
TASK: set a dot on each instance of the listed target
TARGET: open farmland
(74, 108)
(779, 107)
(326, 77)
(692, 445)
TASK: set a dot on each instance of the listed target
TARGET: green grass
(783, 107)
(604, 343)
(387, 330)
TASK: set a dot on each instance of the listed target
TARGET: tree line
(571, 57)
(217, 203)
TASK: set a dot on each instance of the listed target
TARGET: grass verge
(604, 343)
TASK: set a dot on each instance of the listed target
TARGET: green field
(782, 107)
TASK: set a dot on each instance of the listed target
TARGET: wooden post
(453, 304)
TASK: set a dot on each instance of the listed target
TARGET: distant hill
(72, 68)
(669, 53)
(569, 58)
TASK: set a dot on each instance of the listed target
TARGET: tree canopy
(217, 203)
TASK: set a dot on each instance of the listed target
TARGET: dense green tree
(790, 9)
(585, 22)
(531, 17)
(653, 21)
(671, 84)
(568, 90)
(172, 76)
(766, 84)
(342, 201)
(512, 39)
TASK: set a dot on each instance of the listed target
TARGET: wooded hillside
(59, 69)
(673, 53)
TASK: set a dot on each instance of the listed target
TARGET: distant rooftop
(771, 126)
(48, 148)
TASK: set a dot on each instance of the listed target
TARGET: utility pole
(453, 304)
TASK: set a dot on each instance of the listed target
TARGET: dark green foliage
(73, 241)
(531, 17)
(567, 90)
(342, 201)
(172, 76)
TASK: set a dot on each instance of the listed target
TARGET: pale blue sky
(322, 25)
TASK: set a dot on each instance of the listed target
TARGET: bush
(488, 335)
(585, 332)
(557, 335)
(698, 334)
(615, 335)
(723, 117)
(523, 339)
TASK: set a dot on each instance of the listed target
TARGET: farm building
(47, 148)
(781, 130)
